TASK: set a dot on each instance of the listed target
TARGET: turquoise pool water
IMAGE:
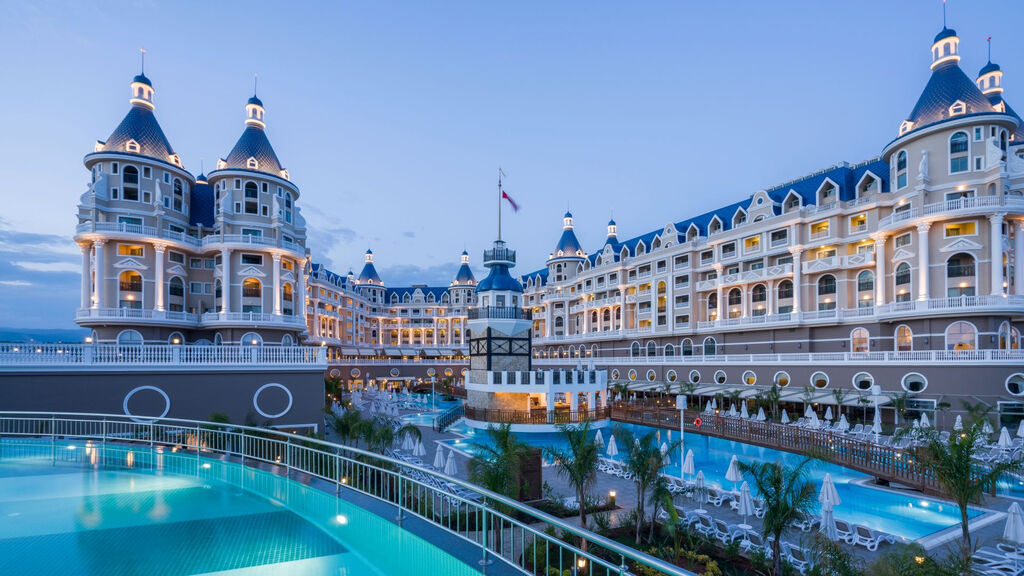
(192, 516)
(902, 515)
(425, 417)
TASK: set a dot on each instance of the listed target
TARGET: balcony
(987, 356)
(859, 260)
(77, 356)
(500, 313)
(820, 234)
(540, 416)
(217, 240)
(254, 319)
(960, 206)
(137, 231)
(134, 316)
(500, 254)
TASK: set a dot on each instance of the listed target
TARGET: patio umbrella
(1014, 530)
(1004, 438)
(743, 412)
(419, 450)
(958, 424)
(612, 450)
(733, 474)
(925, 422)
(815, 423)
(876, 426)
(664, 454)
(599, 440)
(439, 458)
(987, 427)
(732, 411)
(808, 411)
(746, 506)
(699, 486)
(844, 425)
(828, 413)
(687, 467)
(760, 414)
(828, 498)
(714, 404)
(450, 468)
(1020, 429)
(709, 410)
(407, 443)
(785, 417)
(916, 424)
(657, 435)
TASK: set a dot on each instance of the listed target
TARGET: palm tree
(643, 461)
(348, 425)
(621, 390)
(839, 395)
(577, 463)
(952, 464)
(773, 395)
(899, 405)
(787, 496)
(497, 464)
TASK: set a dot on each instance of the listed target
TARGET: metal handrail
(412, 489)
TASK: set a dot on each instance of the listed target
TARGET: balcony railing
(500, 255)
(136, 314)
(16, 356)
(952, 206)
(130, 286)
(820, 234)
(137, 230)
(500, 313)
(913, 357)
(541, 416)
(252, 318)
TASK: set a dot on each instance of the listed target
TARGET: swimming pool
(898, 513)
(425, 416)
(187, 515)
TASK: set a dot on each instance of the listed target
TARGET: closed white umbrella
(449, 466)
(808, 411)
(664, 454)
(925, 422)
(815, 423)
(745, 506)
(828, 498)
(1014, 530)
(699, 491)
(419, 450)
(709, 410)
(743, 412)
(714, 403)
(1020, 429)
(876, 426)
(439, 458)
(958, 424)
(785, 417)
(407, 444)
(1004, 438)
(599, 440)
(733, 474)
(687, 468)
(844, 425)
(760, 414)
(732, 411)
(828, 413)
(987, 427)
(613, 449)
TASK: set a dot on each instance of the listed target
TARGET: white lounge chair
(868, 538)
(806, 523)
(798, 557)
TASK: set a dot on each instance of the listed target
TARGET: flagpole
(499, 204)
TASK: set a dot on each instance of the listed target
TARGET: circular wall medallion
(632, 374)
(448, 372)
(394, 372)
(256, 400)
(465, 371)
(615, 374)
(335, 373)
(431, 372)
(128, 397)
(355, 372)
(651, 375)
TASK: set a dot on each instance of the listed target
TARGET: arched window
(759, 293)
(175, 339)
(904, 338)
(687, 347)
(670, 350)
(865, 281)
(710, 346)
(130, 183)
(961, 336)
(179, 196)
(252, 198)
(901, 169)
(958, 153)
(859, 340)
(251, 288)
(903, 285)
(287, 340)
(1009, 337)
(652, 349)
(287, 295)
(129, 338)
(130, 293)
(634, 349)
(218, 340)
(251, 339)
(735, 297)
(863, 381)
(960, 275)
(176, 295)
(785, 289)
(712, 301)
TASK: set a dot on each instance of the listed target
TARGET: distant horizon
(394, 119)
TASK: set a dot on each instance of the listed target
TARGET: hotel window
(826, 288)
(868, 248)
(729, 250)
(130, 250)
(826, 253)
(783, 260)
(176, 257)
(147, 173)
(779, 237)
(901, 169)
(904, 339)
(707, 256)
(682, 281)
(254, 232)
(129, 220)
(903, 240)
(130, 183)
(251, 198)
(858, 223)
(179, 196)
(682, 261)
(859, 340)
(785, 289)
(863, 381)
(979, 133)
(710, 347)
(113, 167)
(195, 263)
(979, 163)
(195, 287)
(682, 301)
(254, 259)
(251, 288)
(958, 153)
(752, 244)
(758, 265)
(959, 195)
(209, 263)
(960, 229)
(865, 281)
(819, 230)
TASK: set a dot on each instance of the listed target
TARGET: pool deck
(986, 529)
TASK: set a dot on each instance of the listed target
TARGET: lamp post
(433, 395)
(681, 406)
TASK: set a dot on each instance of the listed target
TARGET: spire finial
(943, 13)
(989, 41)
(255, 82)
(142, 56)
(201, 169)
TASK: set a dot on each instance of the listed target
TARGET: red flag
(515, 207)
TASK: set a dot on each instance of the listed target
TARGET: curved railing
(540, 416)
(500, 528)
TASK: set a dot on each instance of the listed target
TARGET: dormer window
(715, 226)
(739, 218)
(284, 174)
(132, 146)
(792, 202)
(906, 126)
(252, 164)
(826, 194)
(958, 108)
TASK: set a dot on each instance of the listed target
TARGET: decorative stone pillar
(101, 273)
(996, 245)
(880, 280)
(798, 281)
(159, 250)
(923, 265)
(277, 285)
(225, 281)
(1018, 257)
(86, 276)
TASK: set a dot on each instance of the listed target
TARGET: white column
(880, 279)
(574, 398)
(622, 309)
(225, 280)
(462, 333)
(300, 281)
(996, 241)
(549, 320)
(316, 319)
(159, 285)
(1018, 257)
(670, 302)
(923, 265)
(101, 273)
(744, 301)
(87, 276)
(798, 281)
(769, 304)
(277, 284)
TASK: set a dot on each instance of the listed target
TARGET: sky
(393, 117)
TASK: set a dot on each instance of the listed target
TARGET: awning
(446, 352)
(410, 352)
(350, 351)
(392, 352)
(431, 352)
(367, 352)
